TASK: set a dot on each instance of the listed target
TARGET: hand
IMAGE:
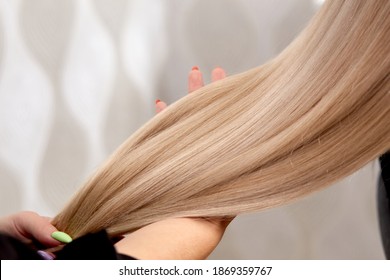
(195, 81)
(174, 239)
(179, 238)
(29, 228)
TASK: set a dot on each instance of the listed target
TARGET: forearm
(180, 238)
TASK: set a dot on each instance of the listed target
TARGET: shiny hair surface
(316, 113)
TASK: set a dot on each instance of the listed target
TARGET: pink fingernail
(158, 101)
(195, 68)
(45, 255)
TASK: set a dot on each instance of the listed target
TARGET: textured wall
(78, 77)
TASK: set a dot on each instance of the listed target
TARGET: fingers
(160, 105)
(32, 225)
(218, 74)
(195, 79)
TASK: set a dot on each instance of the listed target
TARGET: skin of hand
(179, 238)
(174, 239)
(30, 228)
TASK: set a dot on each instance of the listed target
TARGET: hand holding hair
(29, 227)
(309, 117)
(178, 238)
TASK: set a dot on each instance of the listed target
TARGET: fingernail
(61, 236)
(195, 68)
(45, 255)
(158, 101)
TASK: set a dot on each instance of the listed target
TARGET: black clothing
(13, 249)
(384, 202)
(96, 246)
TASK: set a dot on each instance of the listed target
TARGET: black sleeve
(96, 246)
(13, 249)
(385, 166)
(384, 202)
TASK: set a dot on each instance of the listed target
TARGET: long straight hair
(314, 114)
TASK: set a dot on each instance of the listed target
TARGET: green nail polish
(61, 236)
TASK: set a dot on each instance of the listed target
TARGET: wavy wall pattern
(78, 77)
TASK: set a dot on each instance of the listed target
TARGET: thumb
(33, 226)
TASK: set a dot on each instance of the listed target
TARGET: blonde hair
(313, 115)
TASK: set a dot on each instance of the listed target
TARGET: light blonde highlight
(311, 116)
